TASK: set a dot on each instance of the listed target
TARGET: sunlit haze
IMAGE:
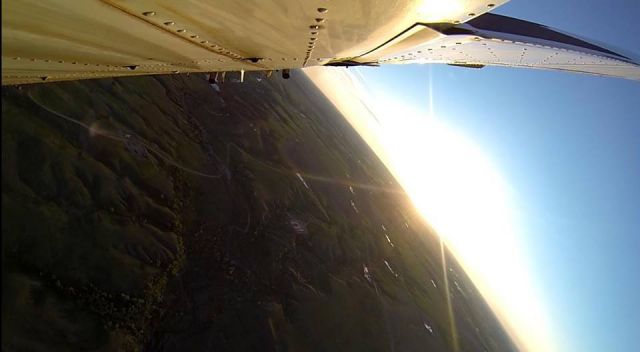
(458, 191)
(439, 10)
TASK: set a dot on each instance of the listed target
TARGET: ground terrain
(158, 214)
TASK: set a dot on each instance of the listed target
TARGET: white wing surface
(503, 41)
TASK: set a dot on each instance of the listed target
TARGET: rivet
(194, 36)
(149, 13)
(491, 5)
(313, 39)
(319, 20)
(181, 30)
(73, 62)
(456, 22)
(314, 27)
(322, 10)
(16, 58)
(176, 71)
(132, 67)
(314, 32)
(44, 78)
(472, 14)
(61, 62)
(169, 23)
(47, 60)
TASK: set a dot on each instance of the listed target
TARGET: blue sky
(569, 146)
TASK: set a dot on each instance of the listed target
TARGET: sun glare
(463, 196)
(440, 10)
(460, 193)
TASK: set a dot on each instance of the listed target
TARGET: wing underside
(54, 40)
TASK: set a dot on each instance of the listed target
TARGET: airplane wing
(54, 40)
(504, 41)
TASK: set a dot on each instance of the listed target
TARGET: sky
(558, 153)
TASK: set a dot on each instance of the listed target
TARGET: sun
(463, 196)
(460, 192)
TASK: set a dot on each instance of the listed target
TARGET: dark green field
(156, 214)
